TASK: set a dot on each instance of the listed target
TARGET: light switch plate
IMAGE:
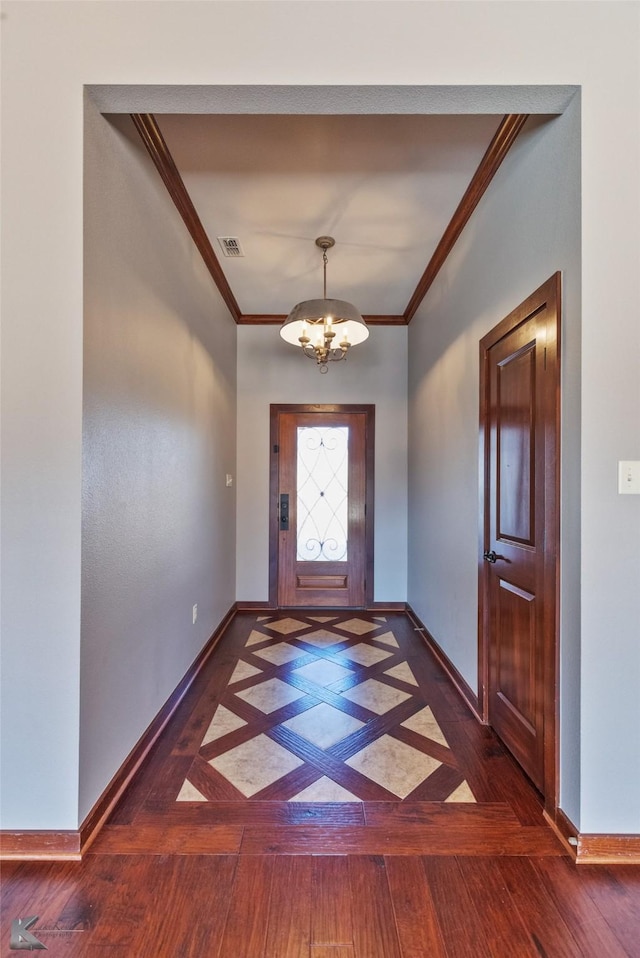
(229, 480)
(629, 477)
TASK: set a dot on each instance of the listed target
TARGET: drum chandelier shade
(325, 329)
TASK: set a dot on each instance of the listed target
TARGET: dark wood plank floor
(270, 878)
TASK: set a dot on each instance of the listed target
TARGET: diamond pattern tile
(323, 672)
(321, 638)
(223, 722)
(257, 637)
(286, 626)
(403, 673)
(376, 696)
(388, 638)
(270, 695)
(279, 654)
(323, 725)
(424, 723)
(358, 626)
(252, 766)
(189, 793)
(462, 794)
(324, 790)
(243, 671)
(326, 723)
(397, 767)
(365, 654)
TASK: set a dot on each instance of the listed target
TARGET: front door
(319, 505)
(519, 540)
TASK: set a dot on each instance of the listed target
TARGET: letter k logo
(21, 937)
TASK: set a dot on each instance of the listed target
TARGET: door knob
(490, 556)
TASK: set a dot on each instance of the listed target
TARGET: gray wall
(271, 371)
(526, 227)
(158, 529)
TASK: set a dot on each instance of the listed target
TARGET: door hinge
(276, 449)
(365, 508)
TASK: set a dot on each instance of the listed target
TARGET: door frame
(275, 410)
(547, 296)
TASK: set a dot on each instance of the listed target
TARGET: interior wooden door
(320, 507)
(519, 542)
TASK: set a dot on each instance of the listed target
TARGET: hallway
(322, 791)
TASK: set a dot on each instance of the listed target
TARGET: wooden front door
(519, 532)
(319, 505)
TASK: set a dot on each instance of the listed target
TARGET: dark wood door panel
(304, 572)
(519, 532)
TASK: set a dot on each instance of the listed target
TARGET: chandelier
(325, 329)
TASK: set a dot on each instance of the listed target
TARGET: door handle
(490, 556)
(283, 512)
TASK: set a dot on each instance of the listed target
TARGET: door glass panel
(322, 490)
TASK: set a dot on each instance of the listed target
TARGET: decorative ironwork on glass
(323, 488)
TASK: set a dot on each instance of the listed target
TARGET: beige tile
(323, 672)
(324, 790)
(322, 638)
(286, 626)
(255, 764)
(379, 618)
(243, 671)
(365, 654)
(358, 626)
(403, 673)
(323, 725)
(223, 722)
(323, 618)
(388, 638)
(280, 653)
(189, 793)
(424, 723)
(375, 696)
(394, 765)
(462, 794)
(257, 637)
(263, 618)
(270, 695)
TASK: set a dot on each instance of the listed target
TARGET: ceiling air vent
(231, 246)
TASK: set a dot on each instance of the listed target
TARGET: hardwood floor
(235, 866)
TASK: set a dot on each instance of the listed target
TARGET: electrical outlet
(195, 613)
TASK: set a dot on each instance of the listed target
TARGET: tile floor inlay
(255, 764)
(334, 726)
(270, 695)
(223, 722)
(286, 626)
(321, 638)
(365, 654)
(243, 671)
(394, 765)
(323, 672)
(402, 672)
(376, 696)
(323, 725)
(358, 626)
(279, 654)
